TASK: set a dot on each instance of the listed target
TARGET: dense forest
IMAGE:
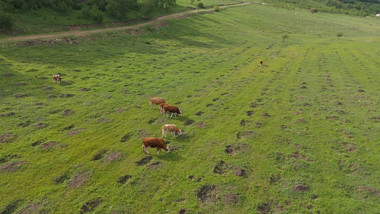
(90, 9)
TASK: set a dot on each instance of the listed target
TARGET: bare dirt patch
(11, 167)
(24, 124)
(91, 205)
(200, 124)
(182, 211)
(154, 165)
(60, 179)
(199, 113)
(300, 188)
(7, 114)
(264, 207)
(332, 117)
(250, 113)
(52, 96)
(221, 168)
(47, 88)
(112, 157)
(66, 95)
(31, 208)
(84, 89)
(124, 179)
(74, 131)
(20, 95)
(349, 147)
(79, 179)
(125, 138)
(120, 110)
(244, 134)
(144, 160)
(189, 122)
(265, 114)
(41, 125)
(99, 155)
(67, 112)
(207, 193)
(52, 144)
(370, 189)
(104, 120)
(8, 138)
(231, 198)
(239, 172)
(11, 207)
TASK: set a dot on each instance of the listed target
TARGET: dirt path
(87, 32)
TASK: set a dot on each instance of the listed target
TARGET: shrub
(340, 34)
(314, 10)
(200, 6)
(5, 21)
(216, 8)
(284, 36)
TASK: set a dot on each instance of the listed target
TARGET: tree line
(90, 9)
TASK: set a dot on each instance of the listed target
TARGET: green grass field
(300, 134)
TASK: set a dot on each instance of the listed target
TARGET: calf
(171, 109)
(173, 129)
(156, 101)
(57, 78)
(154, 142)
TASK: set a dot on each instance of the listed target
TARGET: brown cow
(57, 78)
(173, 129)
(162, 106)
(154, 142)
(261, 63)
(171, 109)
(156, 101)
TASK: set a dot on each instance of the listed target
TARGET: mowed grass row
(299, 134)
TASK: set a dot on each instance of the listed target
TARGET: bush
(314, 10)
(92, 13)
(284, 36)
(340, 34)
(200, 6)
(216, 8)
(5, 21)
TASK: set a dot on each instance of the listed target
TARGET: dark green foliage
(92, 13)
(119, 8)
(5, 21)
(200, 6)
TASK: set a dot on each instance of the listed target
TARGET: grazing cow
(57, 78)
(156, 101)
(171, 109)
(173, 129)
(154, 142)
(162, 106)
(261, 63)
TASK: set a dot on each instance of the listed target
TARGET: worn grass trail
(299, 134)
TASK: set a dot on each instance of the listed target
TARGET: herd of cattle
(166, 109)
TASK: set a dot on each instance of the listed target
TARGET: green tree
(5, 21)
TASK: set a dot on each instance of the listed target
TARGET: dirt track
(86, 32)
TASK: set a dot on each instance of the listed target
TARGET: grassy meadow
(300, 134)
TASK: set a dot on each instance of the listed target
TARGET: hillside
(298, 134)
